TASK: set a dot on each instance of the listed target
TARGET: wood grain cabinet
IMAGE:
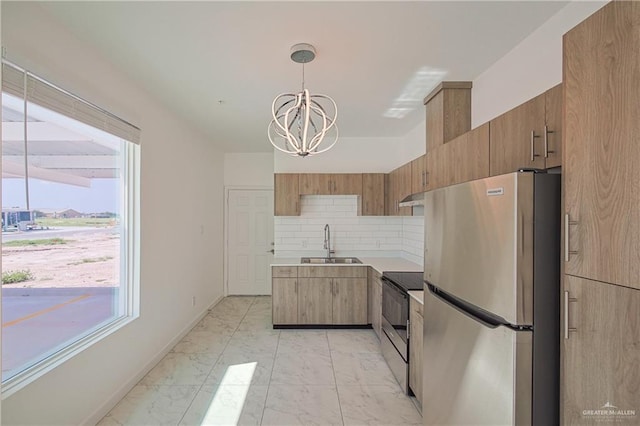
(399, 186)
(419, 174)
(286, 194)
(602, 146)
(415, 349)
(600, 352)
(375, 301)
(448, 112)
(528, 136)
(284, 294)
(320, 295)
(373, 194)
(331, 184)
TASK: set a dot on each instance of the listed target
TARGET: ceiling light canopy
(302, 121)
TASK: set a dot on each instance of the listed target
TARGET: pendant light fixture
(302, 121)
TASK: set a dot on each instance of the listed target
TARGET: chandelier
(301, 121)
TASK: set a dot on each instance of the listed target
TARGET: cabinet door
(602, 145)
(552, 145)
(373, 194)
(437, 166)
(376, 302)
(284, 300)
(315, 184)
(601, 356)
(315, 301)
(404, 188)
(346, 184)
(286, 194)
(516, 138)
(470, 155)
(415, 351)
(418, 175)
(349, 301)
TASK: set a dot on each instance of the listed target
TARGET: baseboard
(117, 396)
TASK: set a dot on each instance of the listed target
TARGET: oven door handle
(395, 288)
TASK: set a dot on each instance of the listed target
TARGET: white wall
(353, 155)
(351, 235)
(248, 169)
(180, 170)
(528, 70)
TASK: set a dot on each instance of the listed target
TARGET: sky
(102, 196)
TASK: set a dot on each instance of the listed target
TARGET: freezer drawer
(474, 374)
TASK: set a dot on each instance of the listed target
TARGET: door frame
(227, 188)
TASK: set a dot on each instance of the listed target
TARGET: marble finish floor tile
(202, 341)
(151, 405)
(237, 368)
(260, 342)
(227, 405)
(361, 369)
(181, 369)
(303, 341)
(377, 405)
(354, 341)
(223, 326)
(302, 369)
(302, 405)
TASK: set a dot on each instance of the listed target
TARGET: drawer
(332, 271)
(416, 307)
(374, 274)
(284, 271)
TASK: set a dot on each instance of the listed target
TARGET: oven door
(395, 315)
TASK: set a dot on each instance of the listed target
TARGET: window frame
(129, 251)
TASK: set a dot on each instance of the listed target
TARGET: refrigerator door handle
(485, 318)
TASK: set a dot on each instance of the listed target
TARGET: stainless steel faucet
(327, 240)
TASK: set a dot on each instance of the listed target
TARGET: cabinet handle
(568, 329)
(567, 223)
(426, 178)
(546, 142)
(295, 288)
(329, 185)
(335, 187)
(533, 152)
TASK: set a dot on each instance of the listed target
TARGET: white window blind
(49, 96)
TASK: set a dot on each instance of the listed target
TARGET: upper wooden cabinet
(286, 194)
(331, 184)
(373, 194)
(600, 352)
(399, 187)
(463, 159)
(419, 174)
(448, 112)
(529, 135)
(602, 146)
(552, 137)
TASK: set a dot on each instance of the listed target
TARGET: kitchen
(333, 164)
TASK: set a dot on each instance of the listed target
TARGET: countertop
(417, 295)
(380, 264)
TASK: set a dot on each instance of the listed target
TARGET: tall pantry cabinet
(601, 172)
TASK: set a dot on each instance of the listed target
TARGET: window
(69, 209)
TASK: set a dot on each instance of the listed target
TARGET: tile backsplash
(351, 235)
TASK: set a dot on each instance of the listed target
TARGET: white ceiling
(220, 64)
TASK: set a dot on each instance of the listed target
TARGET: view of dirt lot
(87, 257)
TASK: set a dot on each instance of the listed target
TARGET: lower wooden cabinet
(284, 297)
(324, 295)
(375, 305)
(415, 349)
(600, 354)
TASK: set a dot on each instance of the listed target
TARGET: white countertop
(417, 295)
(380, 264)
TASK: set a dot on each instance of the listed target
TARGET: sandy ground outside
(88, 259)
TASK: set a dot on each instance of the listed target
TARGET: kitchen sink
(324, 260)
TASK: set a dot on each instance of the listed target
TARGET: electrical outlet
(193, 301)
(378, 243)
(304, 243)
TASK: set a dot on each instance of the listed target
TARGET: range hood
(413, 200)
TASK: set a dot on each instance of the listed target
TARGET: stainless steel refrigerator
(491, 313)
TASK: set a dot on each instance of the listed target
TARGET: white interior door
(250, 241)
